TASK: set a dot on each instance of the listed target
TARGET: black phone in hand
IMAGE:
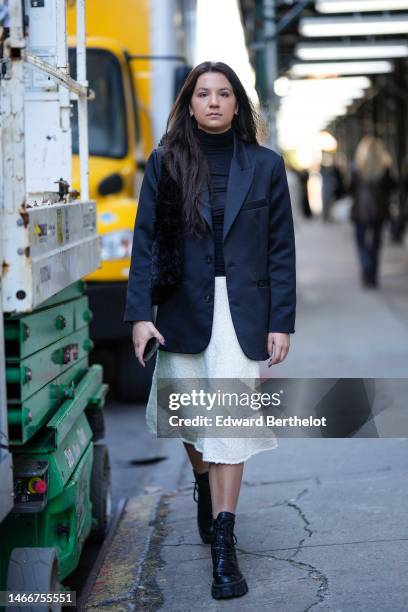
(151, 347)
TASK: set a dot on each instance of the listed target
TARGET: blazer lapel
(239, 181)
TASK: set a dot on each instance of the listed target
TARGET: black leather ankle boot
(228, 580)
(202, 495)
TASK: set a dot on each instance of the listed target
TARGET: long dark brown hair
(182, 152)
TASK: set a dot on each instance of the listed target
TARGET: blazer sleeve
(281, 254)
(138, 300)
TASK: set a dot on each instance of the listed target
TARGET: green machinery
(61, 473)
(54, 467)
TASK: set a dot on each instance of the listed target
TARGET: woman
(371, 186)
(234, 305)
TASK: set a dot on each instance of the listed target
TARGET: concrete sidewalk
(322, 524)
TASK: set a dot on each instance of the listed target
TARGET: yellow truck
(136, 63)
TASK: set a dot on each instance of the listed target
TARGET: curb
(114, 581)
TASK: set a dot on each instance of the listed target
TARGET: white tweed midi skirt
(222, 358)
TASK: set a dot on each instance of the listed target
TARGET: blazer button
(208, 259)
(208, 298)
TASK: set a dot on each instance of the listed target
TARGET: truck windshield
(106, 114)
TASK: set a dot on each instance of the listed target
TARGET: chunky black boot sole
(232, 589)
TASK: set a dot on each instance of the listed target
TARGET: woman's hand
(142, 331)
(278, 347)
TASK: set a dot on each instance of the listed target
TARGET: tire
(34, 570)
(133, 380)
(96, 420)
(101, 493)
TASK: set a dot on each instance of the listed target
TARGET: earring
(236, 112)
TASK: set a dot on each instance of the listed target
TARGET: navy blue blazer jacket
(259, 255)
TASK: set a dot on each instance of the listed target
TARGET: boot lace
(224, 536)
(225, 551)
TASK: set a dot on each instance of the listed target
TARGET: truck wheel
(134, 382)
(96, 420)
(34, 570)
(101, 493)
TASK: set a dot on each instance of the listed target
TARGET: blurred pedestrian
(332, 184)
(304, 180)
(295, 191)
(371, 186)
(214, 223)
(298, 189)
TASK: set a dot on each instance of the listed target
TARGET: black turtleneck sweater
(219, 149)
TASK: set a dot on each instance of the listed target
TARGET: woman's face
(213, 102)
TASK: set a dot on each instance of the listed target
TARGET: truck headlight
(116, 245)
